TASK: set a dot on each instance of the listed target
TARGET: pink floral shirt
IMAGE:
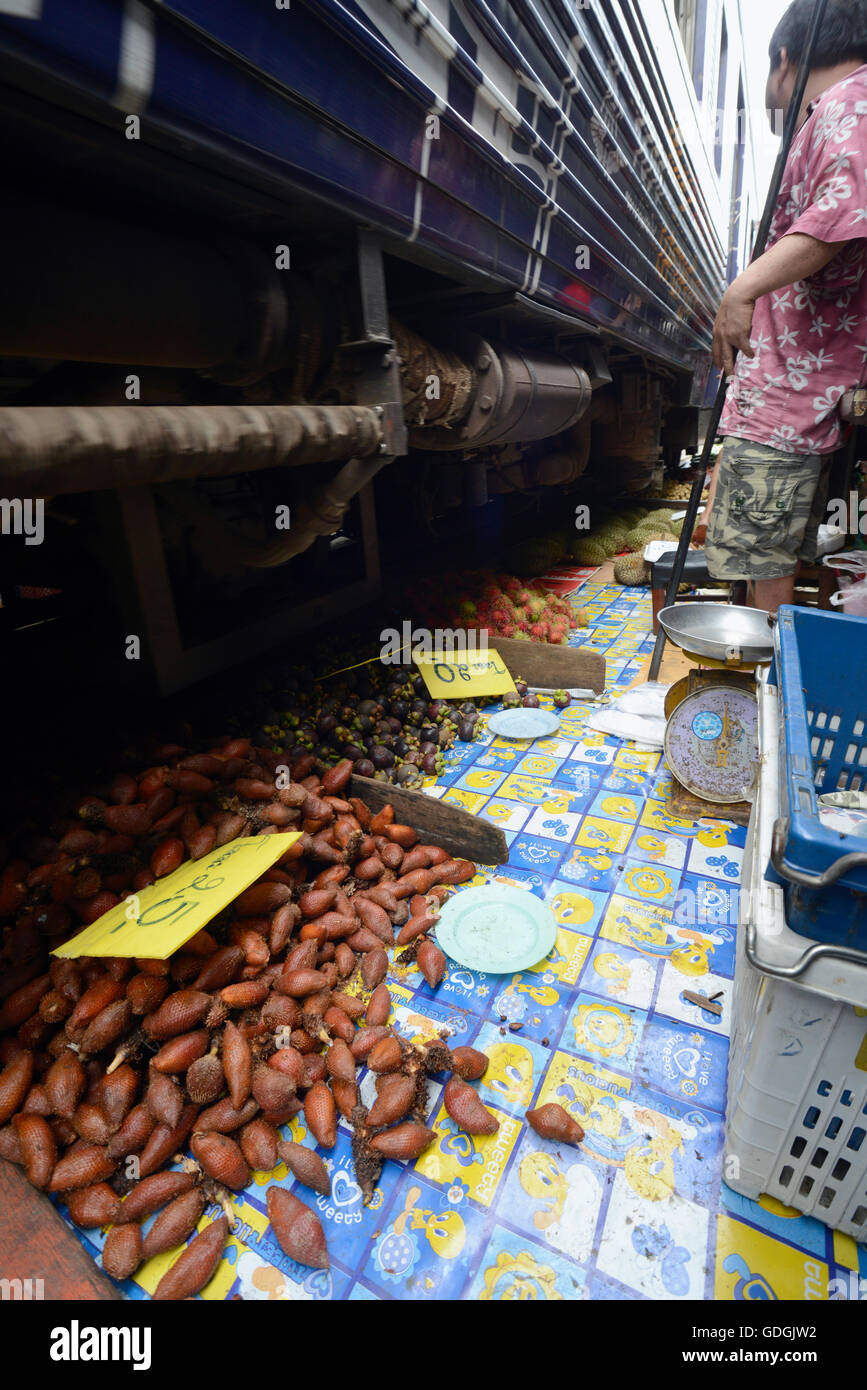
(810, 338)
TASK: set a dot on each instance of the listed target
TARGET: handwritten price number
(446, 672)
(176, 904)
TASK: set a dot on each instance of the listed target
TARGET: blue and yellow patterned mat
(603, 1026)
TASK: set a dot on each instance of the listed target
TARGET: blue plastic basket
(820, 668)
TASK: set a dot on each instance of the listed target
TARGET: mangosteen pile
(381, 718)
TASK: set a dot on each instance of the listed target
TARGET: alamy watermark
(22, 1290)
(849, 515)
(852, 1288)
(709, 907)
(77, 1343)
(410, 643)
(23, 516)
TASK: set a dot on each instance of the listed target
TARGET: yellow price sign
(458, 677)
(157, 921)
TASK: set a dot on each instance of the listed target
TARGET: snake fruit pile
(113, 1070)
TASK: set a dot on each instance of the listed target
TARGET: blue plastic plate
(523, 723)
(496, 929)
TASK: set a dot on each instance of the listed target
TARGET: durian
(631, 570)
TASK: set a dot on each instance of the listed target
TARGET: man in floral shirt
(797, 316)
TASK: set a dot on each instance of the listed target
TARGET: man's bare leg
(770, 593)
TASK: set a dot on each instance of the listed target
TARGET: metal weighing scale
(710, 737)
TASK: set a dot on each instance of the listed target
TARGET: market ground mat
(621, 1024)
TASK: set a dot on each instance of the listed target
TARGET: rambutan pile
(500, 603)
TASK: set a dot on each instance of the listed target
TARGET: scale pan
(721, 630)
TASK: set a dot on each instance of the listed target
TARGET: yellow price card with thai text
(157, 921)
(463, 675)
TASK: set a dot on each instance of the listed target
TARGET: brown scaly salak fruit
(91, 1124)
(221, 1158)
(352, 1006)
(135, 1131)
(366, 1039)
(180, 1013)
(340, 1061)
(116, 1092)
(14, 1084)
(416, 926)
(164, 1099)
(320, 1112)
(65, 1081)
(146, 992)
(38, 1148)
(469, 1063)
(338, 1025)
(386, 1056)
(223, 1118)
(164, 1142)
(81, 1168)
(122, 1253)
(107, 1027)
(395, 1097)
(552, 1121)
(345, 1095)
(174, 1223)
(237, 1064)
(24, 1002)
(151, 1193)
(373, 968)
(196, 1265)
(90, 1207)
(306, 1165)
(288, 1061)
(431, 962)
(378, 1007)
(272, 1088)
(298, 1229)
(467, 1110)
(336, 848)
(178, 1054)
(258, 1142)
(345, 958)
(100, 994)
(205, 1080)
(408, 1140)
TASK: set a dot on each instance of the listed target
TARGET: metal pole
(688, 527)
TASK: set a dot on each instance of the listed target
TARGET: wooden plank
(463, 835)
(674, 665)
(685, 806)
(557, 668)
(36, 1243)
(710, 1006)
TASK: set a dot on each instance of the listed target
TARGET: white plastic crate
(796, 1125)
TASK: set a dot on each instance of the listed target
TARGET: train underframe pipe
(87, 290)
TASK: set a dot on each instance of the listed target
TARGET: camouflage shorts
(767, 511)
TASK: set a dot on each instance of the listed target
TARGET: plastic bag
(637, 714)
(845, 812)
(829, 540)
(853, 597)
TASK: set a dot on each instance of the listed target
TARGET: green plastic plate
(496, 929)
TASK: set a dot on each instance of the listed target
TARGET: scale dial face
(710, 743)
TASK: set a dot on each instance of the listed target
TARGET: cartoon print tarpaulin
(603, 1025)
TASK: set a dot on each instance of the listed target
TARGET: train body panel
(552, 146)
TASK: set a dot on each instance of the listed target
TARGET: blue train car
(227, 203)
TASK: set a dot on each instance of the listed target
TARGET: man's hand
(794, 257)
(732, 327)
